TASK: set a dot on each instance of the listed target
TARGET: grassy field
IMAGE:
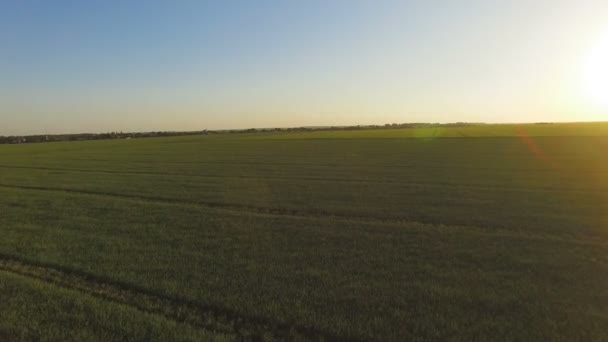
(460, 233)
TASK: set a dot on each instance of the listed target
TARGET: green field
(446, 233)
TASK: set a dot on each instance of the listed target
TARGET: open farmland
(481, 232)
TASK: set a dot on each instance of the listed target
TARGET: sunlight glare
(595, 75)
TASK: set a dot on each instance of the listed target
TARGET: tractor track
(186, 311)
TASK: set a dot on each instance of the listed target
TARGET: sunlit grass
(243, 235)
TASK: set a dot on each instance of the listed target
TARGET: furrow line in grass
(208, 317)
(44, 168)
(234, 207)
(313, 179)
(317, 214)
(373, 165)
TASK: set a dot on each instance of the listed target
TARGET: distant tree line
(122, 135)
(89, 136)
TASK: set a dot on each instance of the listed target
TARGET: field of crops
(492, 231)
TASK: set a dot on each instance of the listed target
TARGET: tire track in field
(208, 317)
(311, 214)
(313, 179)
(234, 207)
(272, 163)
(45, 168)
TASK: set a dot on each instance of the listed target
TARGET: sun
(595, 75)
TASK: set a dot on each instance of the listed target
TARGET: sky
(98, 66)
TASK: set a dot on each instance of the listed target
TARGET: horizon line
(311, 127)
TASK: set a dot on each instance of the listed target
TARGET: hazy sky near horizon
(94, 66)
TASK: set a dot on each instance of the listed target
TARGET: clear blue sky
(92, 66)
